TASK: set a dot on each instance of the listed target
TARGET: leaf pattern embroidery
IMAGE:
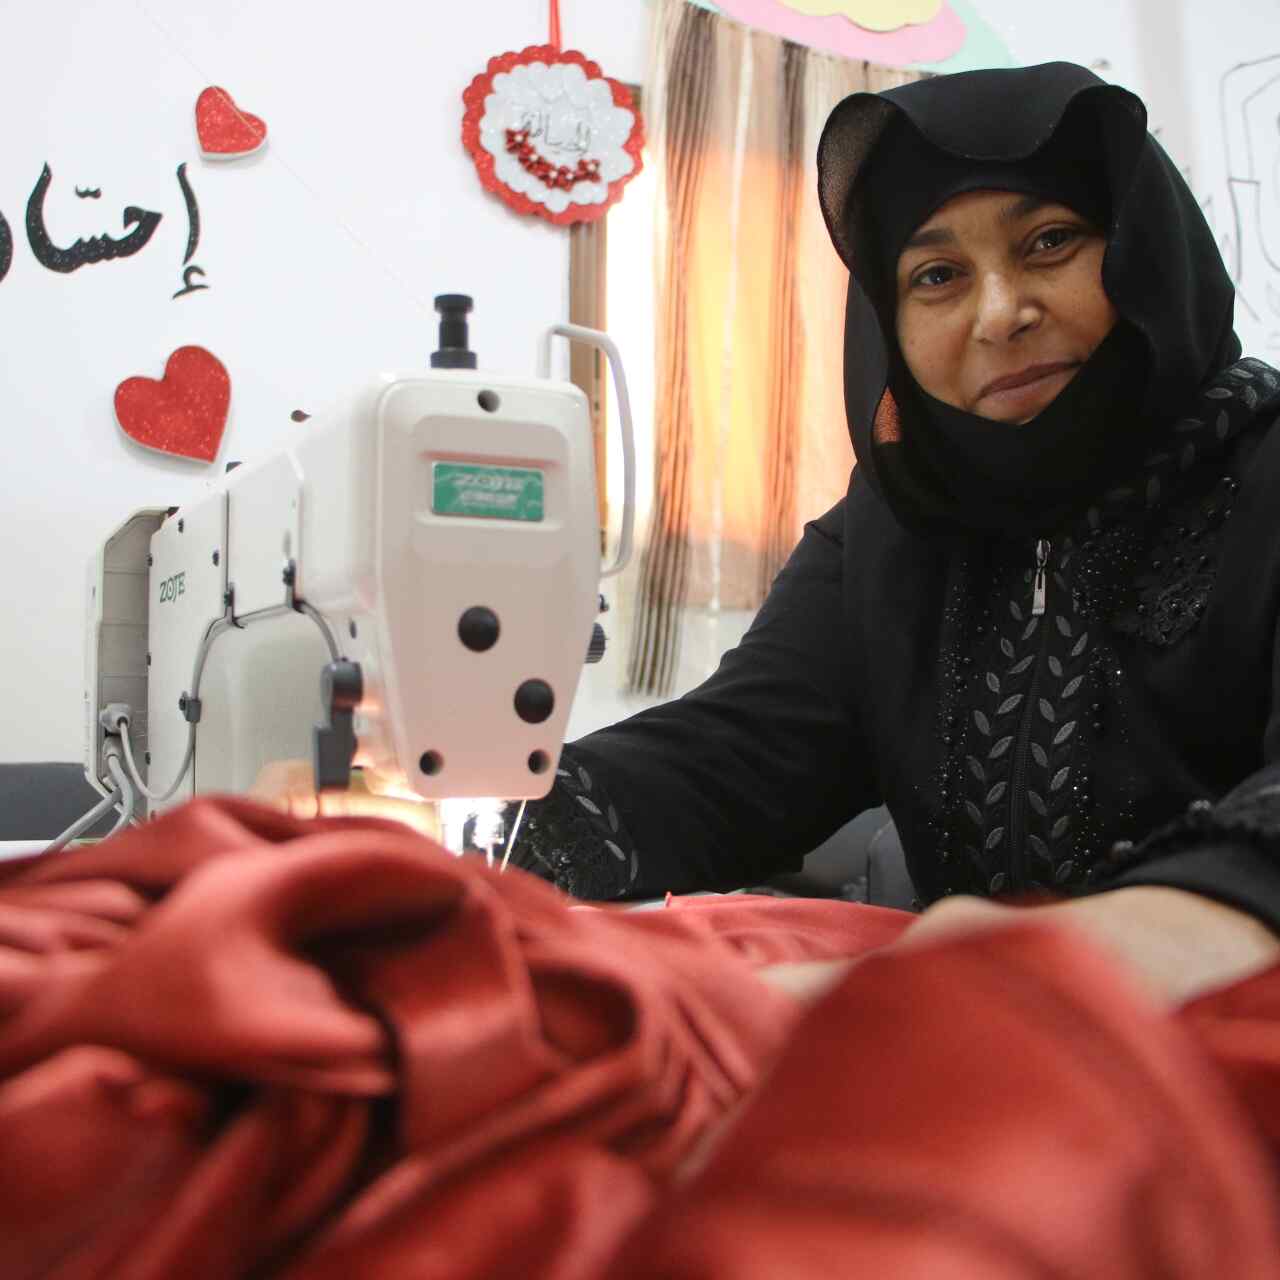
(1049, 694)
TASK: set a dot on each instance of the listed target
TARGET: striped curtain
(749, 419)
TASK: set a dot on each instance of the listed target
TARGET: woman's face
(1000, 301)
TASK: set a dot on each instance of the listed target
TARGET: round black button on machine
(534, 701)
(478, 628)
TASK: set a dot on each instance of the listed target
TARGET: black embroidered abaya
(1069, 684)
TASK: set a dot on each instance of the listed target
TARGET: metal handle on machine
(594, 338)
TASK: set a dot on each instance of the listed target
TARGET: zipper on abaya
(1022, 747)
(1040, 582)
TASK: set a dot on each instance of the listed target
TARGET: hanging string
(555, 25)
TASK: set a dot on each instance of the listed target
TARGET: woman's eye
(933, 277)
(1054, 238)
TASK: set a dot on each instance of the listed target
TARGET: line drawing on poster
(1249, 103)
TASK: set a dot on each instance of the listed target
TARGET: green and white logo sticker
(496, 493)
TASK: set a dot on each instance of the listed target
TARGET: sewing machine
(411, 588)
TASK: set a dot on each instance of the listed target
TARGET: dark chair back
(862, 862)
(40, 801)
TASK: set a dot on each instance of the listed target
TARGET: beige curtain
(749, 419)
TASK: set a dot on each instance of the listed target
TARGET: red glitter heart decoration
(224, 130)
(183, 414)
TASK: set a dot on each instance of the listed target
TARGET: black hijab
(886, 161)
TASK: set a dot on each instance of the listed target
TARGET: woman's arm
(1228, 848)
(1177, 945)
(735, 781)
(1180, 944)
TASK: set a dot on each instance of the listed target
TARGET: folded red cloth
(991, 1106)
(232, 1027)
(234, 1044)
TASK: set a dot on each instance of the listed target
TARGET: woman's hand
(289, 785)
(1177, 944)
(804, 980)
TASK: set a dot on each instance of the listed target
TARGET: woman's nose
(1003, 309)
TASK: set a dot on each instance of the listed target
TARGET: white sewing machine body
(436, 532)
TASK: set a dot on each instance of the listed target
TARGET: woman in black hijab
(1042, 626)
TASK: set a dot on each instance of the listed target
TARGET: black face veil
(1161, 270)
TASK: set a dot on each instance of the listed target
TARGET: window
(613, 291)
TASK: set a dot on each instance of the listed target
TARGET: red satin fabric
(238, 1044)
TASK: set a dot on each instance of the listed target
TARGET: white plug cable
(156, 797)
(115, 718)
(83, 823)
(126, 792)
(121, 796)
(301, 606)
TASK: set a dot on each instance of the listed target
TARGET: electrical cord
(318, 618)
(120, 796)
(84, 822)
(116, 716)
(126, 792)
(156, 797)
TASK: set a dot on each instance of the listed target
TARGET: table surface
(19, 848)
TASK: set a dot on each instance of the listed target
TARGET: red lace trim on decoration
(542, 168)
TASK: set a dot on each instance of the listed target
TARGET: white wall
(324, 252)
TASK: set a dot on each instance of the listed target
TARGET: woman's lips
(1026, 386)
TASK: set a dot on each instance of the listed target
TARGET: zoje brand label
(503, 493)
(172, 588)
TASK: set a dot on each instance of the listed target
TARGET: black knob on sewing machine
(595, 650)
(454, 353)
